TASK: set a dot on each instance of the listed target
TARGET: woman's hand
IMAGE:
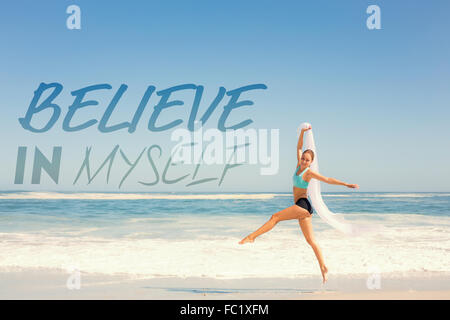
(353, 186)
(303, 129)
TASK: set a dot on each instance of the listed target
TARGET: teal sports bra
(298, 180)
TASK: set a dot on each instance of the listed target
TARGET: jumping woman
(302, 209)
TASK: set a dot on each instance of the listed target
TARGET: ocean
(152, 235)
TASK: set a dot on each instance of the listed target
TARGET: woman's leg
(306, 226)
(292, 212)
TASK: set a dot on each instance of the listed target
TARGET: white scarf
(314, 194)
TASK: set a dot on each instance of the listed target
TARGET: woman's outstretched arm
(329, 180)
(300, 143)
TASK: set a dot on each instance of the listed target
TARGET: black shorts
(304, 203)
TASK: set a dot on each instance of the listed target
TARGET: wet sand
(55, 284)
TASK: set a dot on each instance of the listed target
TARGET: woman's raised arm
(300, 143)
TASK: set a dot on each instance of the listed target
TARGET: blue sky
(377, 99)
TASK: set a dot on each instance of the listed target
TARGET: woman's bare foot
(324, 271)
(246, 239)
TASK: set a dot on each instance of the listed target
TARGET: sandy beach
(187, 249)
(52, 284)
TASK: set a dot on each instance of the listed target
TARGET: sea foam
(403, 250)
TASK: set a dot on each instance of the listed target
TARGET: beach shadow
(231, 290)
